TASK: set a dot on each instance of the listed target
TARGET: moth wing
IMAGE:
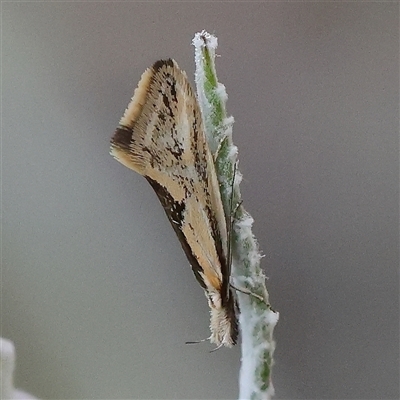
(161, 136)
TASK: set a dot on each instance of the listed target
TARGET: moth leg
(246, 291)
(236, 209)
(217, 348)
(205, 340)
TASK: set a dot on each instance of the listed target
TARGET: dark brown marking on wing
(225, 292)
(161, 63)
(162, 117)
(122, 137)
(174, 211)
(230, 308)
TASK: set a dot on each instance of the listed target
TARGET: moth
(161, 136)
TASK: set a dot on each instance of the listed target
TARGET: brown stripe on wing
(215, 232)
(174, 211)
(231, 307)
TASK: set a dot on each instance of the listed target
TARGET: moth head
(223, 322)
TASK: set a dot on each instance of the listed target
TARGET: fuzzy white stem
(257, 319)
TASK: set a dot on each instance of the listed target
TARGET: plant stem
(257, 319)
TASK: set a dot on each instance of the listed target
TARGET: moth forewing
(161, 136)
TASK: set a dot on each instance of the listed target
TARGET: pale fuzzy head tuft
(223, 328)
(223, 321)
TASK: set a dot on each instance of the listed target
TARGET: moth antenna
(232, 220)
(198, 341)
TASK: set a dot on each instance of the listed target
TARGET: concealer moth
(161, 136)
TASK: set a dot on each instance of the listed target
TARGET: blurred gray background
(97, 294)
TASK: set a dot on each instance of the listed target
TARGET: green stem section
(257, 319)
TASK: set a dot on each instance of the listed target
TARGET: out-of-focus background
(97, 294)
